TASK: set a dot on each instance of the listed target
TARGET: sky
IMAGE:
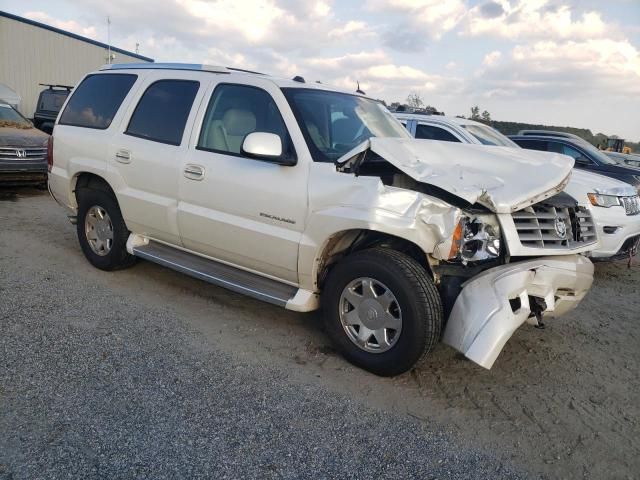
(556, 62)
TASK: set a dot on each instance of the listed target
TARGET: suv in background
(49, 104)
(586, 156)
(302, 195)
(615, 205)
(23, 150)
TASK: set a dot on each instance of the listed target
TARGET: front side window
(234, 112)
(489, 136)
(333, 123)
(96, 100)
(567, 150)
(431, 132)
(162, 112)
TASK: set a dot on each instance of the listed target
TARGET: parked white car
(614, 205)
(300, 195)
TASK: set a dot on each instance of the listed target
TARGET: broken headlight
(476, 239)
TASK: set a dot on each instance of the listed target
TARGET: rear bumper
(483, 318)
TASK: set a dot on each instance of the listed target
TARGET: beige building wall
(30, 55)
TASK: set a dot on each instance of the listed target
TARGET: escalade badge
(21, 153)
(561, 228)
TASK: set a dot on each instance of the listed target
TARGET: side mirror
(265, 146)
(583, 161)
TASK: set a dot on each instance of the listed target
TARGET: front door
(247, 212)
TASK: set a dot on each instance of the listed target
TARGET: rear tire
(404, 311)
(101, 230)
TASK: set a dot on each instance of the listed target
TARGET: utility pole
(109, 39)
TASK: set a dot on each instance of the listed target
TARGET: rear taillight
(50, 153)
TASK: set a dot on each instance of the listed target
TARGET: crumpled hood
(503, 179)
(22, 137)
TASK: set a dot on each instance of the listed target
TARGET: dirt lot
(559, 403)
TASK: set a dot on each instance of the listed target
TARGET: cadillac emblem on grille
(560, 228)
(21, 153)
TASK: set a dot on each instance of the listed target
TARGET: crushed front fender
(492, 305)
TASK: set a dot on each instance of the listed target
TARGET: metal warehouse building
(32, 53)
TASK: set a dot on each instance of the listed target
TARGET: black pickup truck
(49, 104)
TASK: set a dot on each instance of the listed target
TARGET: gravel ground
(148, 373)
(97, 382)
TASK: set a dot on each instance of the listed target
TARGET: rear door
(148, 153)
(241, 210)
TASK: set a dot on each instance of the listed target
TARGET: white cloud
(352, 27)
(492, 58)
(566, 69)
(516, 20)
(413, 23)
(68, 25)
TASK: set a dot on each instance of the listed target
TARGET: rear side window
(96, 100)
(540, 145)
(162, 112)
(434, 133)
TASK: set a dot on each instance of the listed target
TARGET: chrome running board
(217, 273)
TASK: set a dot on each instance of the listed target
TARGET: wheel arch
(346, 242)
(89, 180)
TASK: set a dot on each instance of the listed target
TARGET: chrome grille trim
(536, 227)
(631, 205)
(30, 153)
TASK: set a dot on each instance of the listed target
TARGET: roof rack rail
(242, 70)
(51, 86)
(165, 66)
(548, 133)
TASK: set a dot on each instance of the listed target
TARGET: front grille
(22, 153)
(548, 226)
(631, 205)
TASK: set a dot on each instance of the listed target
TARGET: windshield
(489, 136)
(334, 123)
(10, 117)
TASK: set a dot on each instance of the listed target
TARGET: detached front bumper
(492, 305)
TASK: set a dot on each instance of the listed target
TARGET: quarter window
(234, 112)
(162, 112)
(435, 133)
(96, 100)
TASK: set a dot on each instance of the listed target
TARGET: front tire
(101, 230)
(382, 311)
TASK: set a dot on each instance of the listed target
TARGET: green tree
(475, 113)
(414, 100)
(486, 116)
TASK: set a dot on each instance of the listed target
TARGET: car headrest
(239, 123)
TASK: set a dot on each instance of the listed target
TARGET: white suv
(301, 195)
(614, 205)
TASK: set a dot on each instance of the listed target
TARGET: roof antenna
(358, 90)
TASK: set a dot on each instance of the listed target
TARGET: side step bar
(217, 273)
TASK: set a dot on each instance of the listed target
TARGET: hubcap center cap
(371, 314)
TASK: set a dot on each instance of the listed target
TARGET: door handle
(123, 156)
(194, 172)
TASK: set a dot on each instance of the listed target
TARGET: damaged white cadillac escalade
(305, 196)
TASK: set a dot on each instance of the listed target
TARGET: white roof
(442, 119)
(203, 69)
